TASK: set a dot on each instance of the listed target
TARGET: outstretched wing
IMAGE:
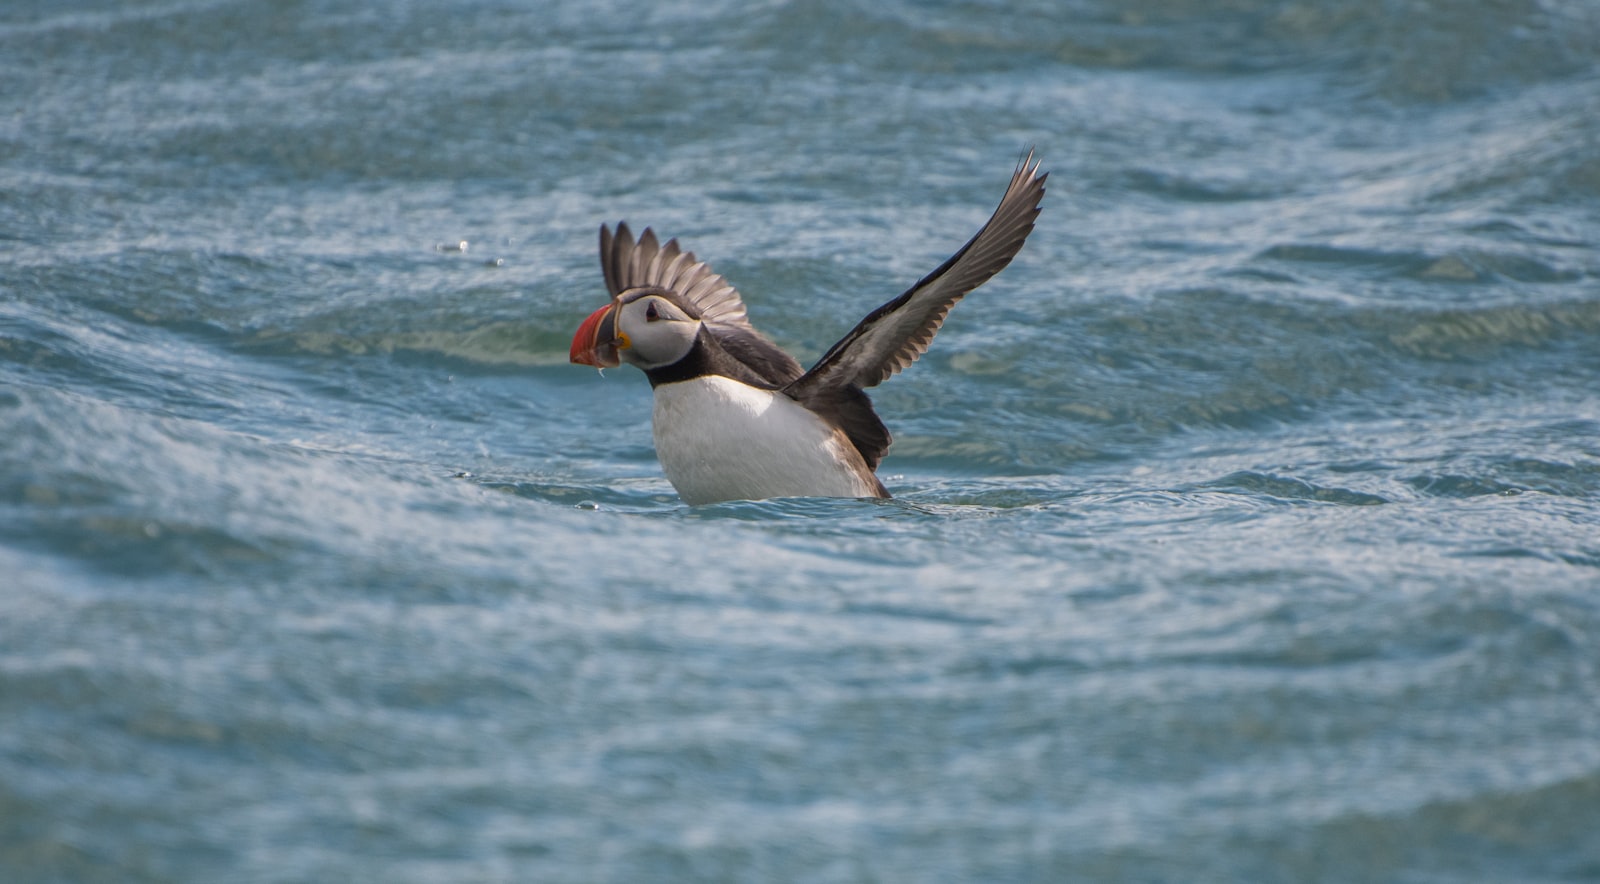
(646, 263)
(894, 335)
(630, 265)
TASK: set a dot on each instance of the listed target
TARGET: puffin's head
(643, 326)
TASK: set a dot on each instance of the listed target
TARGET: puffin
(737, 418)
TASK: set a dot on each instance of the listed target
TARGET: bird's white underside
(718, 439)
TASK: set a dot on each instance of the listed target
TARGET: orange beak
(596, 341)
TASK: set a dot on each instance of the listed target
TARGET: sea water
(1246, 528)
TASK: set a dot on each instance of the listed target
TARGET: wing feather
(647, 263)
(897, 333)
(629, 264)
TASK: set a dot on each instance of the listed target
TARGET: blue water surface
(1246, 528)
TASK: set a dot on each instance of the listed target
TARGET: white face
(657, 332)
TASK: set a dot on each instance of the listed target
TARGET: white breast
(718, 439)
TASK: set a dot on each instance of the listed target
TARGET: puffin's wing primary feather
(647, 263)
(629, 265)
(894, 335)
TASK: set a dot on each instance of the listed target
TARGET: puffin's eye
(650, 312)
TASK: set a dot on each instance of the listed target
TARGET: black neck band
(705, 358)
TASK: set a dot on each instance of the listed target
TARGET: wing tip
(1028, 177)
